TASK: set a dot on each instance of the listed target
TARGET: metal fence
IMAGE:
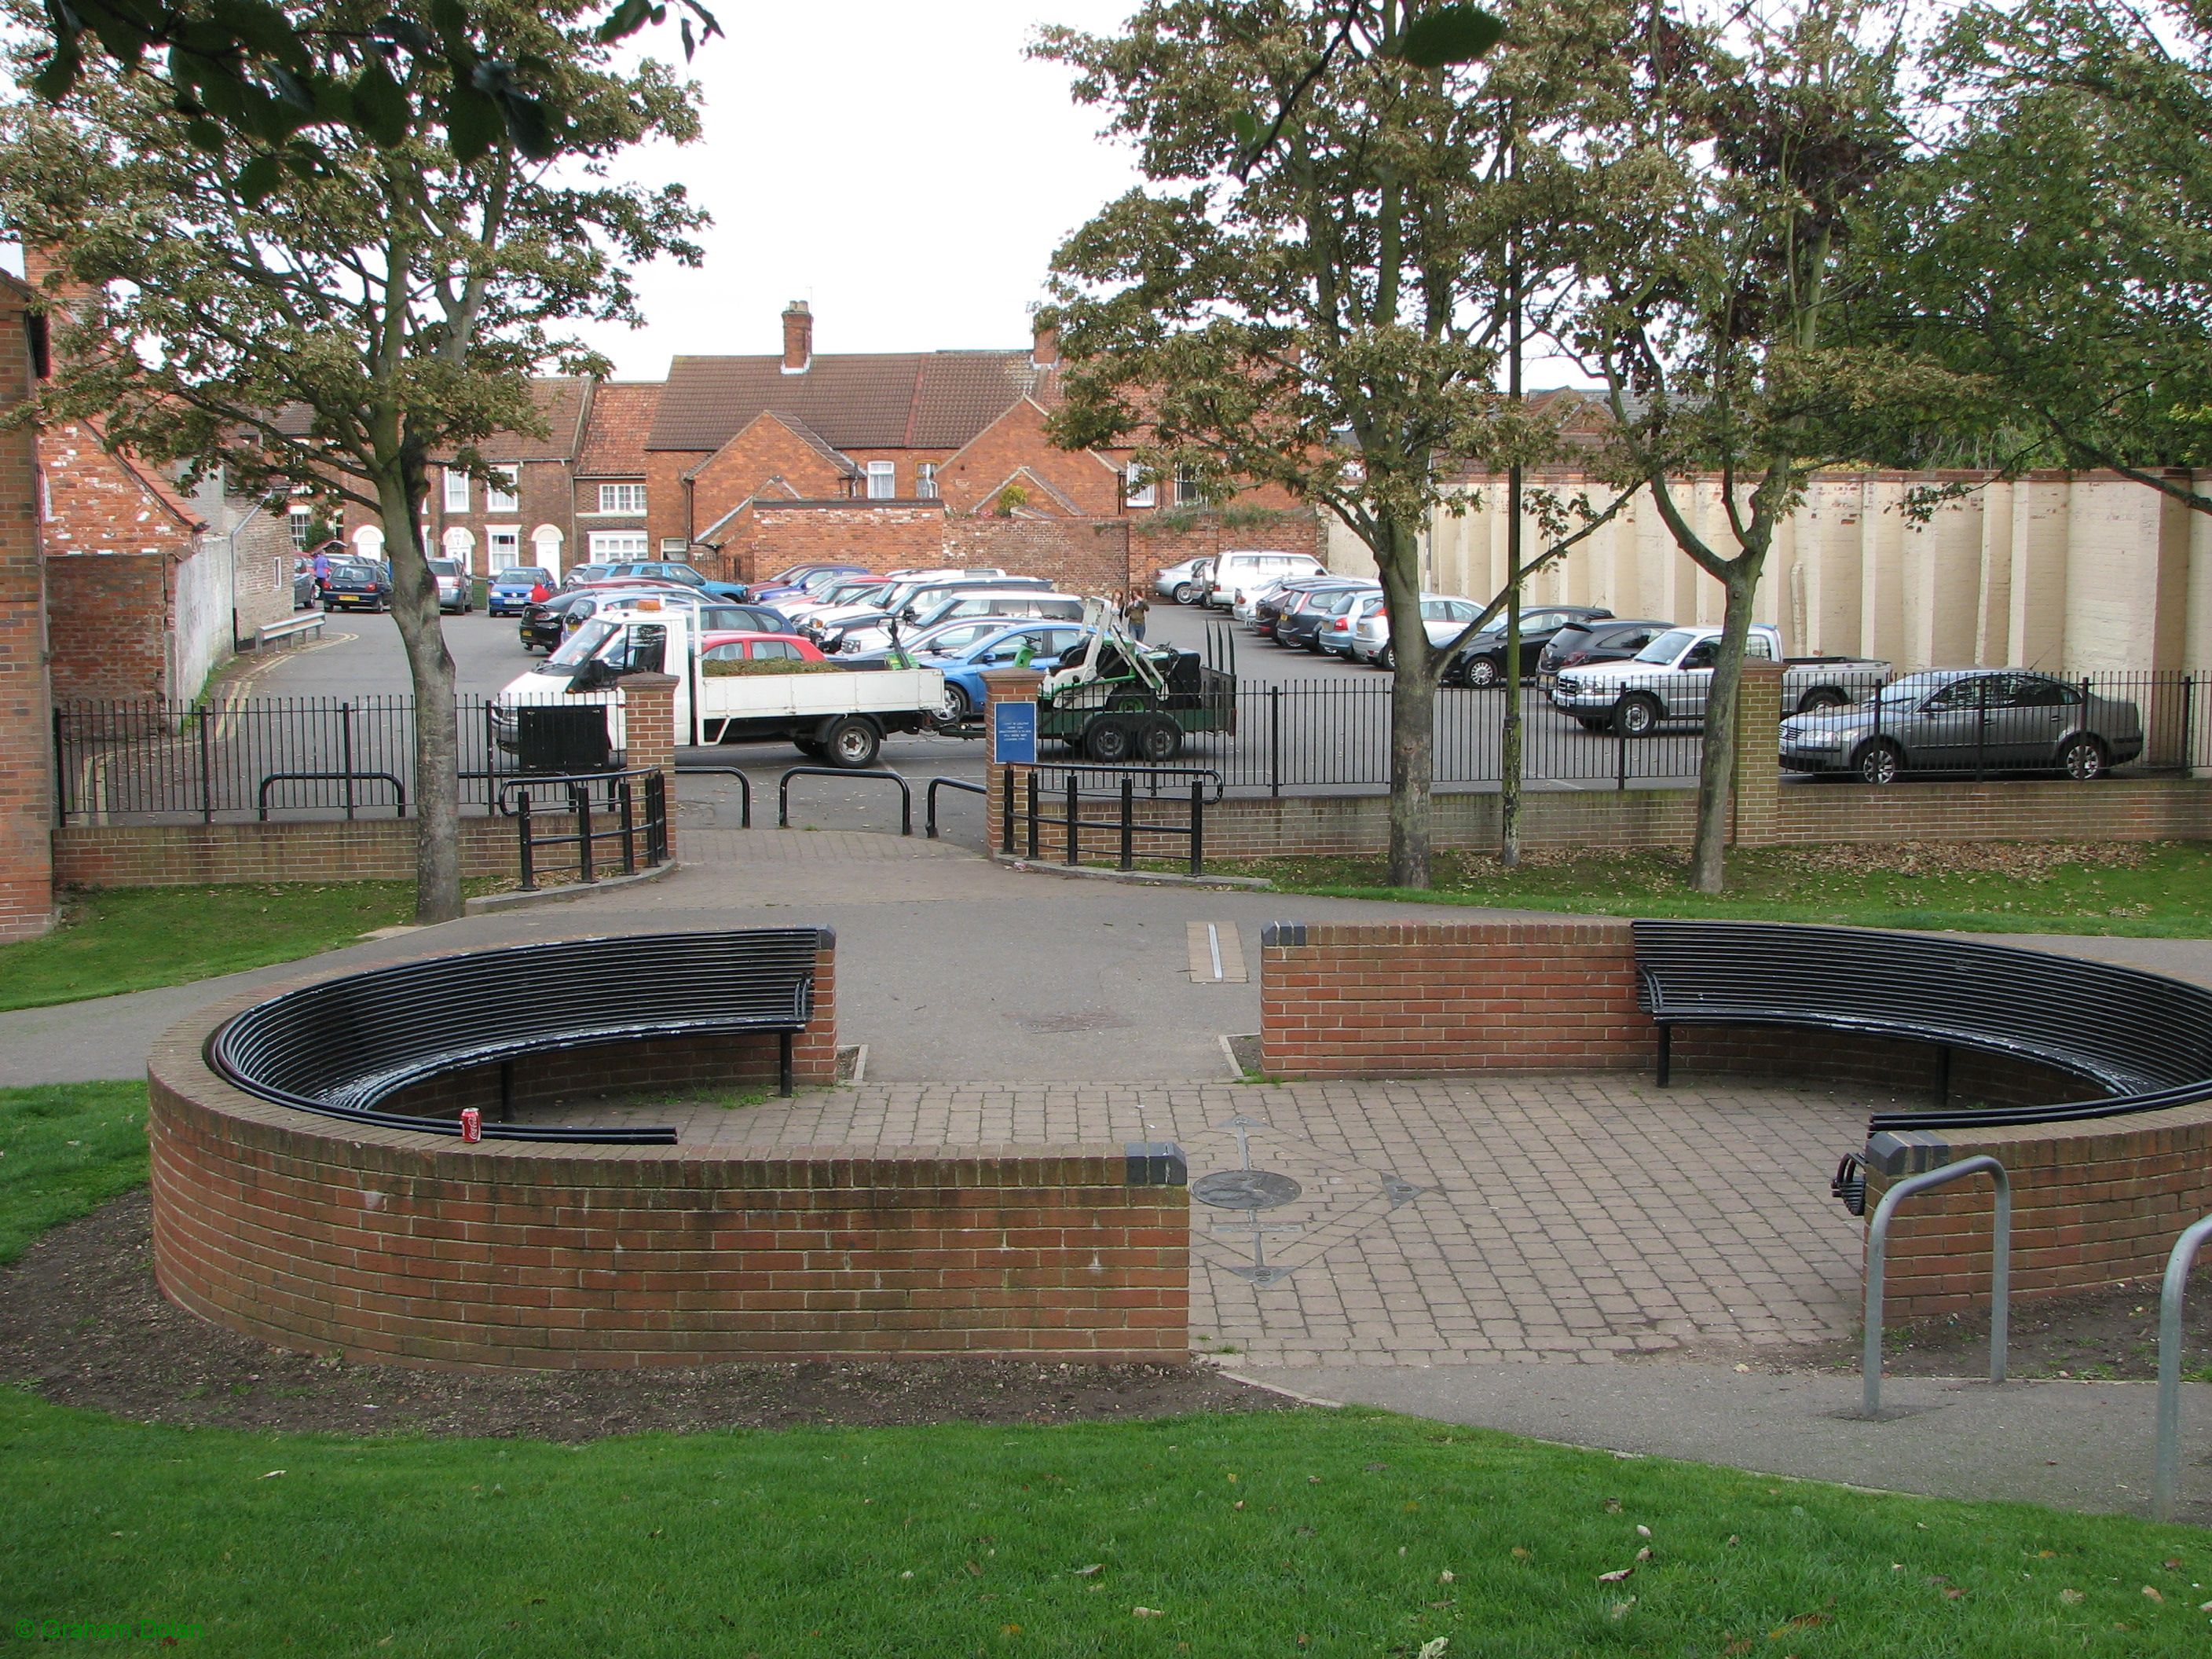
(146, 760)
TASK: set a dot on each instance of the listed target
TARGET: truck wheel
(1159, 740)
(808, 747)
(851, 743)
(1638, 714)
(1108, 741)
(1820, 697)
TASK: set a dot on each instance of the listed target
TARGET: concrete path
(2075, 1445)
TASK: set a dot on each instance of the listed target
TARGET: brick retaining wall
(395, 1246)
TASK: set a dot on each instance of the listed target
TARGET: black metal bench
(344, 1046)
(2144, 1039)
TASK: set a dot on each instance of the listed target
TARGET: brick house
(611, 493)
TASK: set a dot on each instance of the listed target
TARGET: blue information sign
(1013, 734)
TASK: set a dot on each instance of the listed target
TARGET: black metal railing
(1053, 799)
(630, 810)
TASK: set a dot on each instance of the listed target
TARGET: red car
(757, 648)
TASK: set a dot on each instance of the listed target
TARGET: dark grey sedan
(1968, 720)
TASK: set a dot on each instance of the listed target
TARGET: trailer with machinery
(1115, 699)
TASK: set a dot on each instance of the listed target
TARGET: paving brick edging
(2094, 1201)
(395, 1246)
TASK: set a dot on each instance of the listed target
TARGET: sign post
(1014, 734)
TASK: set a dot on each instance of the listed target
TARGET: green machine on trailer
(1116, 699)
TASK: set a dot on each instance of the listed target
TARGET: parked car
(1180, 582)
(1963, 719)
(1302, 627)
(1443, 618)
(1294, 594)
(357, 585)
(1004, 602)
(674, 570)
(456, 587)
(946, 639)
(303, 583)
(578, 575)
(1668, 680)
(1601, 639)
(1235, 572)
(962, 668)
(718, 645)
(508, 595)
(1481, 661)
(797, 577)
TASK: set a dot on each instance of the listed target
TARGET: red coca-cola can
(471, 1124)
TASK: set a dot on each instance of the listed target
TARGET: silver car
(1184, 583)
(1442, 617)
(1968, 720)
(456, 589)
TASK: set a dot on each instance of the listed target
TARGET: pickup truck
(827, 713)
(1668, 679)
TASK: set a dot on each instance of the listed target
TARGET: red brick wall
(2094, 1203)
(393, 1246)
(971, 479)
(1080, 556)
(26, 724)
(772, 536)
(195, 855)
(107, 617)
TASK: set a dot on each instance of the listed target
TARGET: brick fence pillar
(1758, 804)
(1004, 685)
(649, 734)
(26, 737)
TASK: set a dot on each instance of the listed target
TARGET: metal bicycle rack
(783, 792)
(1877, 1259)
(929, 801)
(2166, 1481)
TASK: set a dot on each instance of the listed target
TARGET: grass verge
(65, 1148)
(136, 937)
(2156, 891)
(1345, 1534)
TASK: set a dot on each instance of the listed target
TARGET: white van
(1237, 575)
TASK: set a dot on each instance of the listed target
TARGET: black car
(1302, 627)
(1266, 612)
(1611, 639)
(1481, 661)
(356, 584)
(544, 626)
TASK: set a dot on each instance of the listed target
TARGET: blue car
(509, 594)
(963, 668)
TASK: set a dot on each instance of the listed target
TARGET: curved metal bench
(2145, 1039)
(343, 1047)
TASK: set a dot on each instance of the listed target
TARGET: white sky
(904, 169)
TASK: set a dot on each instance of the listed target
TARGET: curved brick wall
(391, 1245)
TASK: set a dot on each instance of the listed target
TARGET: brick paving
(1570, 1219)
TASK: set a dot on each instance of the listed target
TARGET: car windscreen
(1668, 647)
(523, 575)
(580, 646)
(444, 566)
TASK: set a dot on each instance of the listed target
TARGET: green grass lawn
(2162, 891)
(134, 938)
(65, 1149)
(1352, 1533)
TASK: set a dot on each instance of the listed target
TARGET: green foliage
(747, 668)
(65, 1149)
(1363, 1534)
(135, 938)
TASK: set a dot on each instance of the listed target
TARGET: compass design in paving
(1275, 1203)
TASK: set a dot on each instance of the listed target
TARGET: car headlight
(1816, 739)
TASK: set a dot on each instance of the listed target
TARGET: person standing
(1137, 610)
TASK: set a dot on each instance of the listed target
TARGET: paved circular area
(1562, 1219)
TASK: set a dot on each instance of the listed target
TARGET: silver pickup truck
(1668, 681)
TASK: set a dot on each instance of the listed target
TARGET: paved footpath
(1537, 1254)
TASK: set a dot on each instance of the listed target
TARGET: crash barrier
(691, 768)
(381, 1239)
(283, 633)
(1877, 1256)
(1064, 787)
(633, 810)
(783, 791)
(929, 801)
(2082, 1079)
(366, 1046)
(2165, 1483)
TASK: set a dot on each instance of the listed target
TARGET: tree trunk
(1716, 760)
(437, 747)
(1412, 707)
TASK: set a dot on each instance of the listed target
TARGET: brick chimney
(40, 265)
(798, 338)
(1044, 344)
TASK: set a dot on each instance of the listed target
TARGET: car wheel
(1637, 715)
(1108, 741)
(1186, 593)
(1880, 763)
(1386, 659)
(2084, 759)
(1159, 740)
(1481, 672)
(851, 743)
(1820, 697)
(954, 708)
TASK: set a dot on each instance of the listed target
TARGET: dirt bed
(81, 1322)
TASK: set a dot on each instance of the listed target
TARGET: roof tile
(859, 400)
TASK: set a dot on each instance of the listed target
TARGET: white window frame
(883, 481)
(1141, 489)
(675, 547)
(618, 547)
(1186, 491)
(925, 481)
(627, 499)
(502, 547)
(457, 490)
(509, 500)
(302, 520)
